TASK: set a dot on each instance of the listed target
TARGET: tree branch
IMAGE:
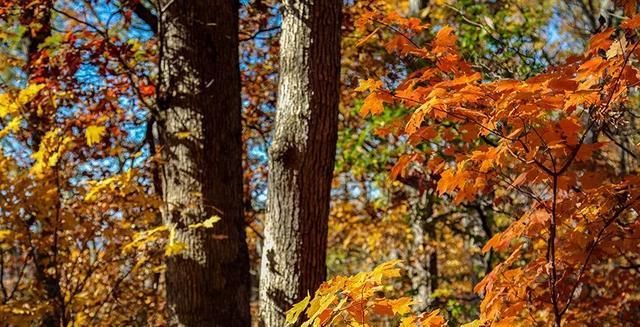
(147, 16)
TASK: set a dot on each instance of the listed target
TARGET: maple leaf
(400, 166)
(94, 134)
(12, 127)
(369, 84)
(372, 104)
(445, 37)
(475, 323)
(631, 23)
(10, 104)
(147, 90)
(174, 247)
(433, 319)
(401, 306)
(207, 223)
(294, 313)
(601, 41)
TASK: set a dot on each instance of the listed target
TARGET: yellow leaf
(11, 127)
(10, 104)
(141, 238)
(297, 309)
(207, 223)
(386, 270)
(4, 234)
(183, 135)
(319, 306)
(28, 93)
(409, 321)
(94, 134)
(173, 247)
(369, 84)
(475, 323)
(401, 306)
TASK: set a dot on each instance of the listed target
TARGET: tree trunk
(416, 6)
(43, 257)
(302, 156)
(200, 130)
(424, 257)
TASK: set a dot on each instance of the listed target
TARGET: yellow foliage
(207, 223)
(52, 146)
(11, 104)
(94, 134)
(11, 127)
(343, 300)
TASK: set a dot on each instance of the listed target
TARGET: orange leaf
(383, 308)
(631, 23)
(372, 104)
(445, 37)
(403, 161)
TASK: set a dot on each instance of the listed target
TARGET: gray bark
(416, 6)
(424, 264)
(301, 156)
(208, 283)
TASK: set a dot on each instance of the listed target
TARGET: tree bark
(424, 264)
(416, 6)
(302, 156)
(200, 131)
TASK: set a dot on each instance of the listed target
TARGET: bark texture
(424, 262)
(301, 156)
(200, 128)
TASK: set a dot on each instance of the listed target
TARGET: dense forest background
(319, 163)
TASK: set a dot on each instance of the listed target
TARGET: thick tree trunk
(301, 157)
(207, 283)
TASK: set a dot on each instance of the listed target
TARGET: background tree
(301, 156)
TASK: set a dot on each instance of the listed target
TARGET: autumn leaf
(4, 234)
(433, 319)
(372, 104)
(294, 313)
(631, 23)
(445, 37)
(369, 85)
(10, 104)
(475, 323)
(12, 127)
(147, 90)
(207, 223)
(173, 247)
(401, 306)
(183, 135)
(94, 134)
(400, 166)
